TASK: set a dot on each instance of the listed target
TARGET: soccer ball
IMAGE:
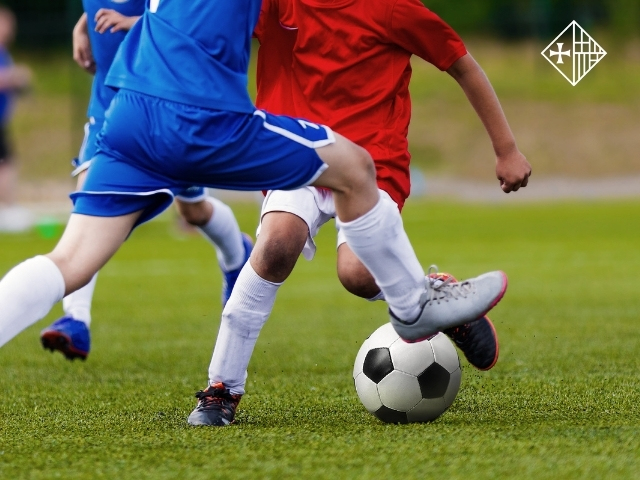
(401, 382)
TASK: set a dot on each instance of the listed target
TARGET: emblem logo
(574, 53)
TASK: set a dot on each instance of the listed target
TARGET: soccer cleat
(478, 339)
(216, 407)
(229, 278)
(446, 304)
(69, 336)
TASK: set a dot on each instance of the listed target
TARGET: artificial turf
(562, 402)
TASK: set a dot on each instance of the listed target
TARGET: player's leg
(70, 334)
(217, 223)
(374, 231)
(478, 339)
(289, 221)
(32, 288)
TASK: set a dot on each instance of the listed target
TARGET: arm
(112, 21)
(512, 168)
(16, 78)
(82, 46)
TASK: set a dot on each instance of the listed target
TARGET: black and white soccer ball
(401, 382)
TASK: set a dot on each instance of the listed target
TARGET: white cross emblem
(560, 53)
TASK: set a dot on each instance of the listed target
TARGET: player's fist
(513, 170)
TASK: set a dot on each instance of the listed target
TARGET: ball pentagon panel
(377, 364)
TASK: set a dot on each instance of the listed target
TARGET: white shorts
(313, 205)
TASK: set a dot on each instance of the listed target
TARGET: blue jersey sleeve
(5, 95)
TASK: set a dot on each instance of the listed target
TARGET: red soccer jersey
(350, 69)
(277, 34)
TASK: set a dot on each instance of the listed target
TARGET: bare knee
(354, 276)
(197, 214)
(281, 240)
(361, 172)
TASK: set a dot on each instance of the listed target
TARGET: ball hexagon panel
(434, 381)
(412, 358)
(454, 386)
(428, 409)
(377, 364)
(384, 336)
(399, 391)
(445, 352)
(367, 393)
(389, 415)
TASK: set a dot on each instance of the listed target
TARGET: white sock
(78, 304)
(378, 239)
(27, 294)
(223, 232)
(244, 315)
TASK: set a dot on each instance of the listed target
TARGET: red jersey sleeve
(421, 32)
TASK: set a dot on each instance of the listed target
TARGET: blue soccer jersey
(104, 47)
(194, 52)
(5, 96)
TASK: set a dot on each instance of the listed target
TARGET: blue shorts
(150, 149)
(89, 148)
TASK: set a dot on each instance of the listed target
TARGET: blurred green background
(587, 131)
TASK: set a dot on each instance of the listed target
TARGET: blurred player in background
(13, 79)
(346, 63)
(96, 38)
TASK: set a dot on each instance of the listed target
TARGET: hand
(82, 53)
(20, 77)
(513, 170)
(112, 21)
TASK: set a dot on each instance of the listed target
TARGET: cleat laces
(442, 290)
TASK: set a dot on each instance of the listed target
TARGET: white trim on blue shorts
(134, 194)
(81, 168)
(331, 138)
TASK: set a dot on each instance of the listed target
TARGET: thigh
(87, 244)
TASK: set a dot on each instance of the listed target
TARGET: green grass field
(562, 402)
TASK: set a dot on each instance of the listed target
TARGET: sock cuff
(54, 273)
(380, 223)
(218, 206)
(379, 296)
(255, 280)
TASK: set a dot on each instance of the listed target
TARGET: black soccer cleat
(478, 341)
(216, 407)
